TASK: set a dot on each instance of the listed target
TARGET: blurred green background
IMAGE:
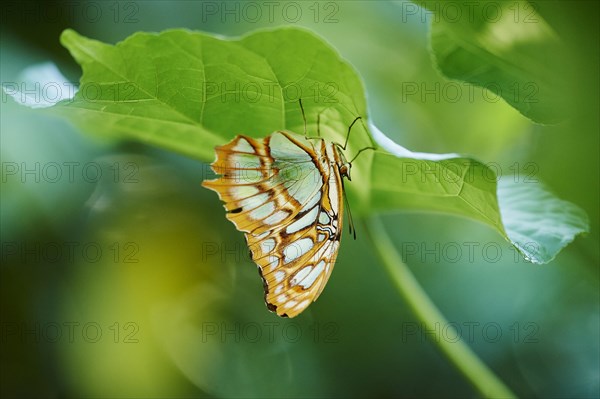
(121, 278)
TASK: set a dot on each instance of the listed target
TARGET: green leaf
(537, 223)
(532, 219)
(505, 47)
(189, 91)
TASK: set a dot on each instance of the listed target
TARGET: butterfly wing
(284, 193)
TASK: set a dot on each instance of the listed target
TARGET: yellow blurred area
(150, 258)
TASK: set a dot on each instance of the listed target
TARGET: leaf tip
(67, 36)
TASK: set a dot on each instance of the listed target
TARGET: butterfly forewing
(285, 193)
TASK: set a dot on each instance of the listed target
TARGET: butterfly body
(285, 193)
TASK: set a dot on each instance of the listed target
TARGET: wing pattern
(285, 193)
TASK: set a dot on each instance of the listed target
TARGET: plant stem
(465, 360)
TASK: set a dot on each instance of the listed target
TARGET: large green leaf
(537, 223)
(506, 47)
(189, 91)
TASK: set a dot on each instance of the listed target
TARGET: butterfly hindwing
(284, 192)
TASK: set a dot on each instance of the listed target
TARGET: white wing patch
(312, 276)
(303, 222)
(243, 146)
(300, 275)
(255, 201)
(262, 211)
(277, 217)
(296, 249)
(241, 192)
(245, 161)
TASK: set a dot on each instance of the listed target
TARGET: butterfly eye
(345, 170)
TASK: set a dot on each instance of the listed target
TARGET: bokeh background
(123, 278)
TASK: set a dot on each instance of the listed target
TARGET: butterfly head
(343, 165)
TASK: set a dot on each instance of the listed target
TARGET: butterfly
(285, 193)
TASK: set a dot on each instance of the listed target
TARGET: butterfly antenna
(303, 115)
(350, 128)
(319, 125)
(351, 225)
(361, 150)
(319, 121)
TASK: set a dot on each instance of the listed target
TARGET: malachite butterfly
(285, 192)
